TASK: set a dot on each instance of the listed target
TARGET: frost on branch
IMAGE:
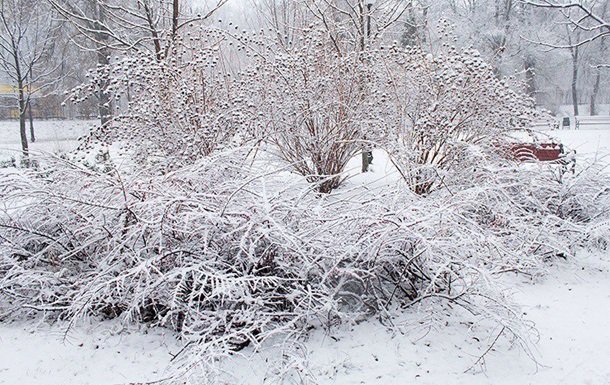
(206, 250)
(438, 115)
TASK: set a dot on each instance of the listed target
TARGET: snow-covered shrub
(169, 111)
(447, 113)
(225, 257)
(313, 104)
(580, 197)
(230, 256)
(114, 243)
(207, 249)
(438, 115)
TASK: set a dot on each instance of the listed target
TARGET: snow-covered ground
(52, 136)
(589, 143)
(569, 309)
(98, 354)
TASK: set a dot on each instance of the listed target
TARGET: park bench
(533, 145)
(546, 152)
(597, 122)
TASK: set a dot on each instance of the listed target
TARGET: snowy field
(569, 310)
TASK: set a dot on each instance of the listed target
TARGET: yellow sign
(12, 90)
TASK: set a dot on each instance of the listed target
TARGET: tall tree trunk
(153, 30)
(21, 100)
(598, 76)
(22, 118)
(175, 14)
(530, 75)
(575, 80)
(31, 118)
(174, 26)
(593, 103)
(574, 55)
(105, 107)
(367, 152)
(508, 8)
(424, 24)
(103, 59)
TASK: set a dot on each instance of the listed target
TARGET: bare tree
(574, 54)
(136, 25)
(27, 38)
(91, 19)
(599, 67)
(580, 15)
(584, 22)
